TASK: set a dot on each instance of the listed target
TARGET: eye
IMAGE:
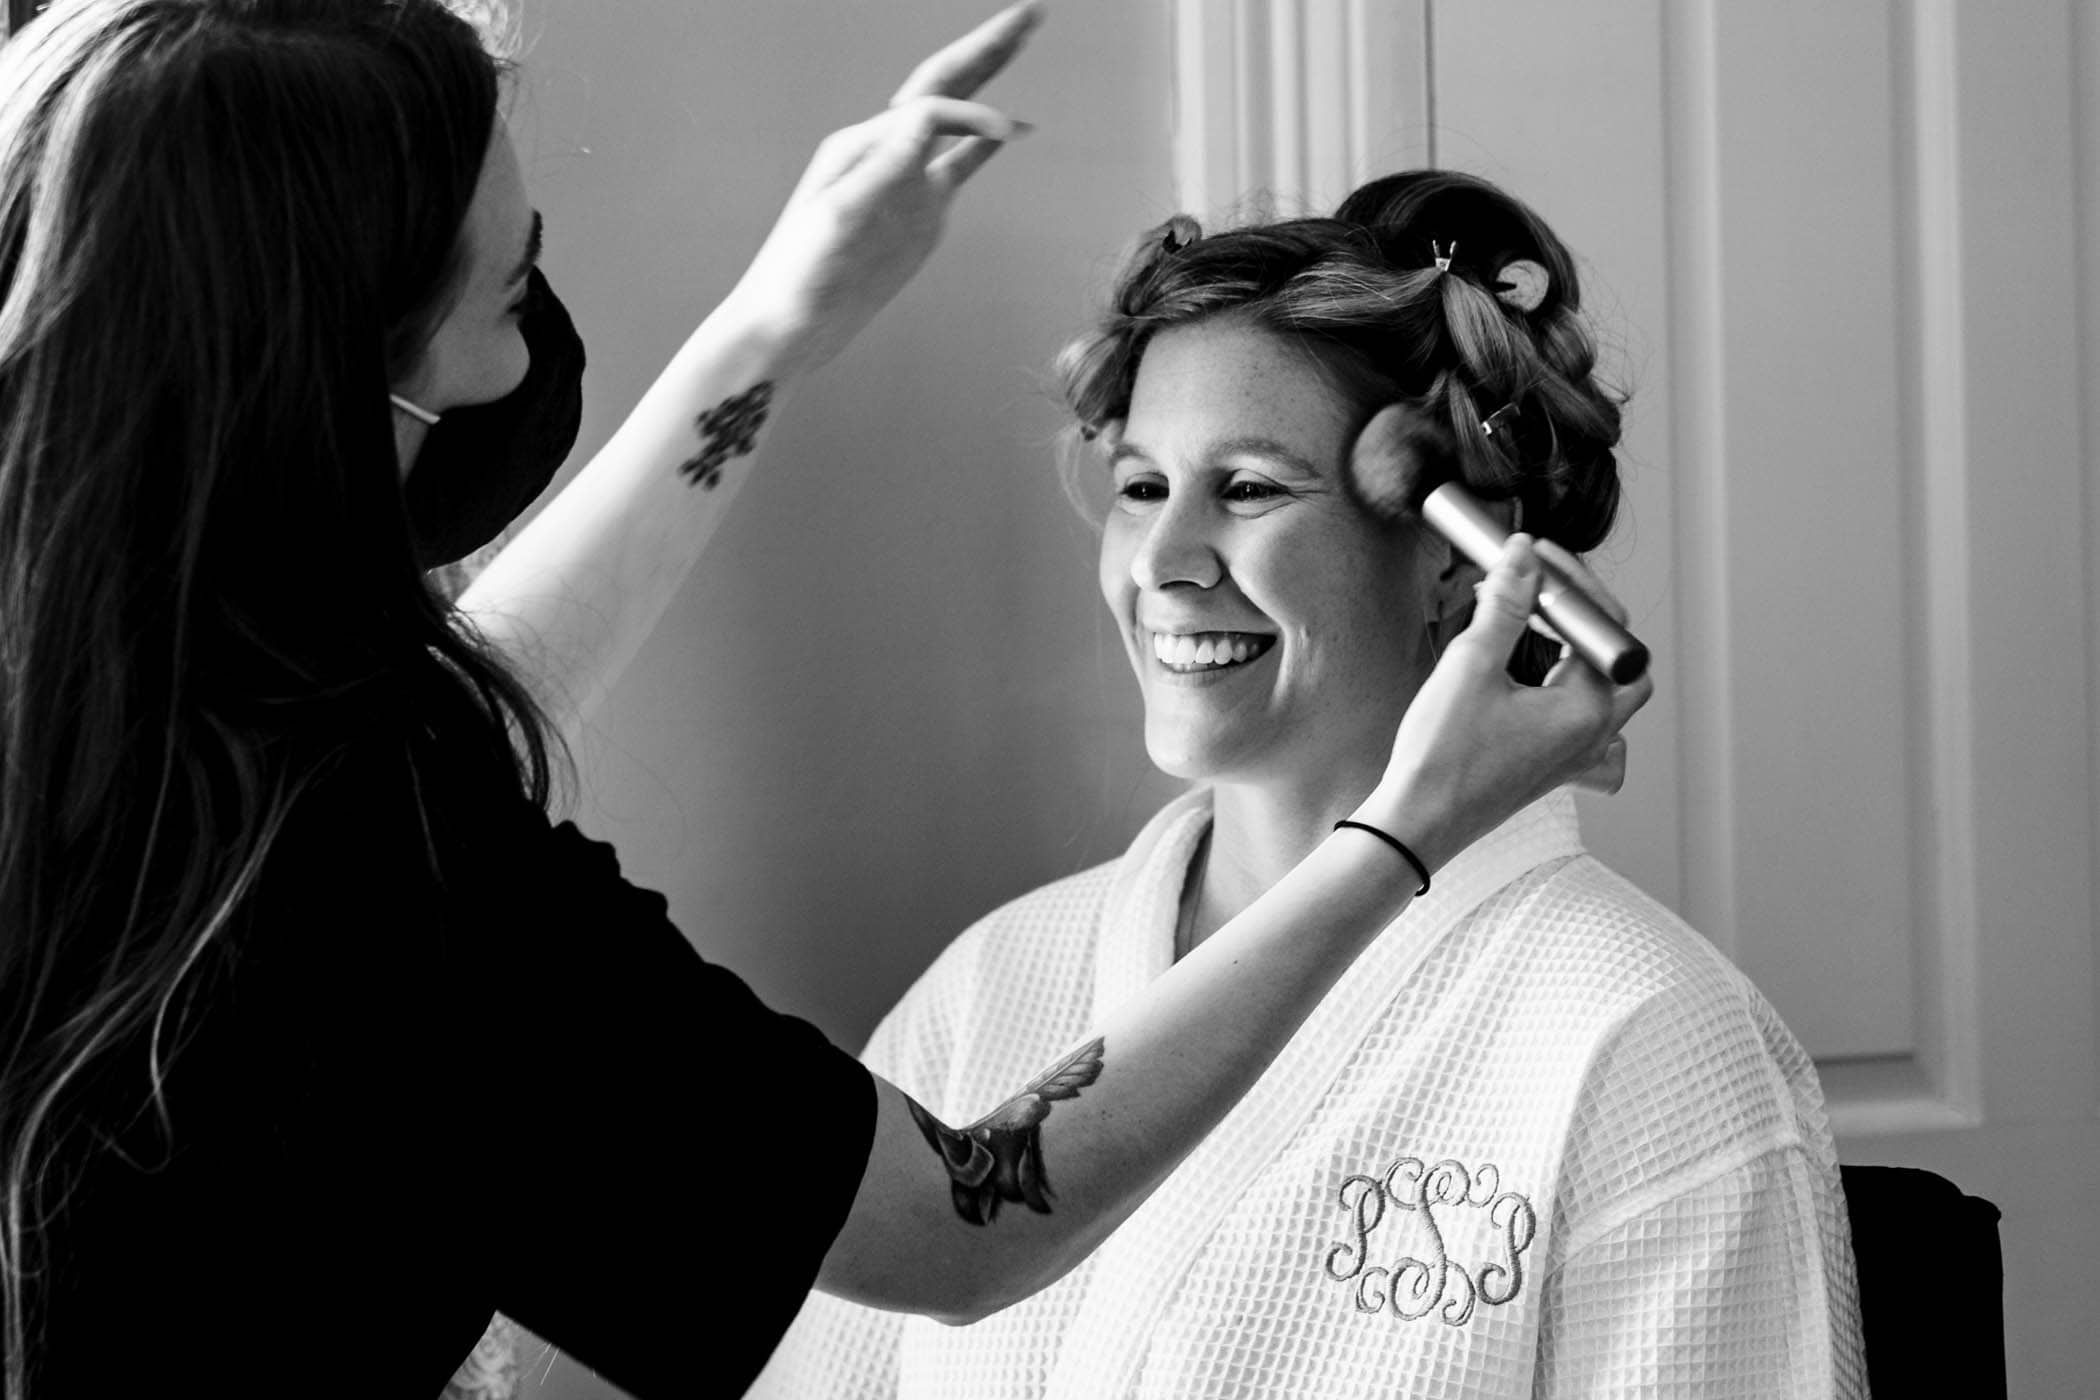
(1252, 488)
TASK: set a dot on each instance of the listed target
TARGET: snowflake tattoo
(728, 430)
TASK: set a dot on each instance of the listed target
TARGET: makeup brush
(1404, 465)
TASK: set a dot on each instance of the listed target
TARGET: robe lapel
(1136, 935)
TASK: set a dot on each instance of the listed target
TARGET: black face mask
(482, 465)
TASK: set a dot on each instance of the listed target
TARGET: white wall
(884, 703)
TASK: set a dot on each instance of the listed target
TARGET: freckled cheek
(1343, 633)
(1113, 573)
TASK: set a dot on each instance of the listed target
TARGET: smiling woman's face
(1278, 631)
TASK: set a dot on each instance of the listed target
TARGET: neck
(1259, 831)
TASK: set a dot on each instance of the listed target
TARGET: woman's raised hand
(871, 206)
(1475, 746)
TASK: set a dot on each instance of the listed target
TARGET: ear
(1452, 578)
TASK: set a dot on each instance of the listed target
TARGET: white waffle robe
(1541, 1139)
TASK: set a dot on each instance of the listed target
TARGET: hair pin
(1443, 259)
(1498, 418)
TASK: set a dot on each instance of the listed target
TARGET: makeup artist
(274, 816)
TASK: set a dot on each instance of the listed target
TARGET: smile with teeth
(1207, 651)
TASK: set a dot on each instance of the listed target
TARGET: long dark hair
(226, 226)
(1365, 290)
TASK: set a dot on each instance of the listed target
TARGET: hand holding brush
(1405, 467)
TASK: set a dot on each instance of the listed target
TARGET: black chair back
(1931, 1284)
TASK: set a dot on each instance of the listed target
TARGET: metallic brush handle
(1459, 517)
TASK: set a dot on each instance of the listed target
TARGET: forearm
(923, 1238)
(570, 600)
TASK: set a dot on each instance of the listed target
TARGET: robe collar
(1136, 940)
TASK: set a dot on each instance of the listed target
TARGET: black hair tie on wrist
(1405, 854)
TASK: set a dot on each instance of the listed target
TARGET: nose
(1179, 546)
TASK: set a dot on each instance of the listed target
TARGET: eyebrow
(532, 249)
(1246, 445)
(1257, 446)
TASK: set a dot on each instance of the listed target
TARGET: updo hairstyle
(1485, 338)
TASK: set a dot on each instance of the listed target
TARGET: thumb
(1502, 611)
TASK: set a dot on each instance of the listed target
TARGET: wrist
(760, 339)
(1410, 812)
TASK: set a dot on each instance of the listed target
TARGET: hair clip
(1442, 259)
(416, 411)
(1178, 233)
(1522, 284)
(1498, 418)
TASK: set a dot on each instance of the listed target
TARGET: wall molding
(1296, 100)
(1944, 1088)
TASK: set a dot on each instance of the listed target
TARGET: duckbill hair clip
(1442, 259)
(1522, 284)
(1499, 418)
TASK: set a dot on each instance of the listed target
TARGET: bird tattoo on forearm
(1000, 1156)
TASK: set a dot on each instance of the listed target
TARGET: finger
(1627, 700)
(962, 160)
(1570, 671)
(835, 155)
(970, 62)
(1609, 774)
(911, 130)
(1506, 598)
(1537, 623)
(1579, 574)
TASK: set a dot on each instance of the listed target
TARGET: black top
(414, 1097)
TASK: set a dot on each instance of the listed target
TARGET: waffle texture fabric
(1542, 1139)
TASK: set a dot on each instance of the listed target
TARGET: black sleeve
(687, 1155)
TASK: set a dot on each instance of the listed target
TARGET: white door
(1846, 256)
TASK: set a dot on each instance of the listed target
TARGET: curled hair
(1364, 289)
(225, 226)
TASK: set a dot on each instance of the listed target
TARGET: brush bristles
(1399, 458)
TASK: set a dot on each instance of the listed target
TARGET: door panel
(1847, 259)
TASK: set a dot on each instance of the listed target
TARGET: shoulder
(1684, 1065)
(1045, 932)
(1051, 923)
(1020, 965)
(1580, 932)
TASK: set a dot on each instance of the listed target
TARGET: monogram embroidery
(1412, 1287)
